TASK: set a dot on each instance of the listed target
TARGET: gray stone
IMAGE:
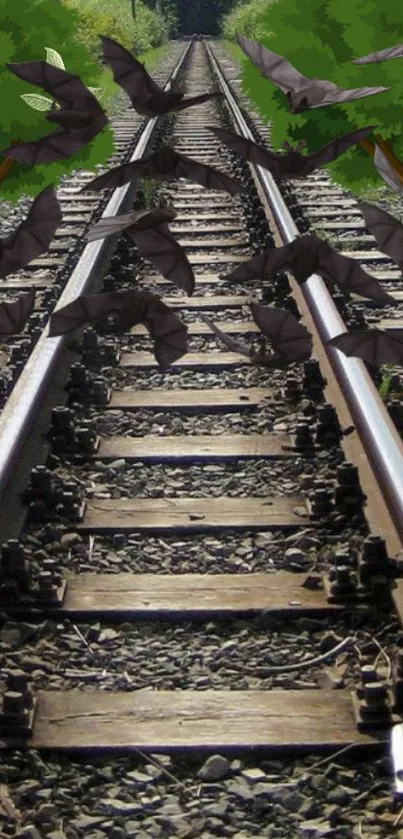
(119, 808)
(314, 829)
(214, 768)
(218, 809)
(84, 822)
(240, 790)
(253, 775)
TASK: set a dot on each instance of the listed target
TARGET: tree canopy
(321, 39)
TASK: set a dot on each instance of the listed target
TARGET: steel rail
(18, 414)
(381, 440)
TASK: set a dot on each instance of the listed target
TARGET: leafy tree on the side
(320, 39)
(26, 29)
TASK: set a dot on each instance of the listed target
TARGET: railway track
(177, 507)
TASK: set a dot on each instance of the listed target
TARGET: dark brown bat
(387, 230)
(154, 240)
(15, 313)
(292, 164)
(290, 340)
(372, 345)
(308, 255)
(80, 119)
(130, 307)
(381, 55)
(302, 92)
(386, 171)
(288, 337)
(166, 165)
(147, 97)
(33, 235)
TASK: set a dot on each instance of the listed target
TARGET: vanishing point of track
(216, 231)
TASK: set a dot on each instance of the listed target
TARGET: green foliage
(321, 39)
(100, 17)
(26, 31)
(245, 18)
(387, 374)
(24, 37)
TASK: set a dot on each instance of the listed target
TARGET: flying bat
(147, 97)
(130, 307)
(80, 119)
(387, 230)
(308, 255)
(290, 340)
(302, 92)
(381, 55)
(154, 240)
(166, 165)
(386, 171)
(15, 313)
(33, 235)
(372, 345)
(291, 164)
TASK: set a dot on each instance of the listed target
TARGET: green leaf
(53, 57)
(35, 100)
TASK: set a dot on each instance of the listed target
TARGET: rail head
(18, 414)
(382, 442)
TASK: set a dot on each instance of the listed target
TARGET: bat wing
(168, 332)
(333, 150)
(196, 100)
(381, 55)
(86, 308)
(162, 249)
(128, 72)
(119, 175)
(14, 314)
(331, 94)
(141, 219)
(387, 230)
(264, 265)
(33, 235)
(74, 95)
(249, 150)
(273, 66)
(348, 274)
(109, 226)
(227, 340)
(59, 145)
(387, 171)
(289, 338)
(63, 86)
(372, 345)
(206, 176)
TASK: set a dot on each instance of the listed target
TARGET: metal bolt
(347, 475)
(41, 479)
(90, 339)
(78, 375)
(375, 693)
(13, 704)
(374, 550)
(303, 436)
(368, 674)
(62, 418)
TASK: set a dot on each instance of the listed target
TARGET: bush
(334, 32)
(246, 19)
(100, 17)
